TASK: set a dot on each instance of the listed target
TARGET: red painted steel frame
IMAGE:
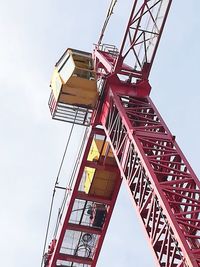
(60, 254)
(163, 186)
(140, 41)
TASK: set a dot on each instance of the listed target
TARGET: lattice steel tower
(126, 139)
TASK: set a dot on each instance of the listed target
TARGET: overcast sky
(34, 34)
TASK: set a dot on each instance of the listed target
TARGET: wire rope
(70, 182)
(109, 14)
(54, 189)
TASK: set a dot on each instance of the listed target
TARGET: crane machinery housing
(107, 92)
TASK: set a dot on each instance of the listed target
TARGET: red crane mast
(128, 140)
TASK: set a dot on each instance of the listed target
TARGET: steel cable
(54, 189)
(109, 13)
(61, 209)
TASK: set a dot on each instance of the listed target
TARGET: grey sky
(34, 34)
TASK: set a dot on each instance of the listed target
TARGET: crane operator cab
(74, 88)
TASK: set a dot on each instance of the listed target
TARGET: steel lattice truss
(164, 188)
(141, 40)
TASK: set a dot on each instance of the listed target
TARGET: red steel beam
(83, 228)
(84, 196)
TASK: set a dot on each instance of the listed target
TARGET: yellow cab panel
(74, 80)
(100, 182)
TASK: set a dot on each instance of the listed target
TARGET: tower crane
(108, 92)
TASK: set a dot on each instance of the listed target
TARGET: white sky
(34, 34)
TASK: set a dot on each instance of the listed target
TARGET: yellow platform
(100, 182)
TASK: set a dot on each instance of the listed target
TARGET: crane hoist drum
(73, 85)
